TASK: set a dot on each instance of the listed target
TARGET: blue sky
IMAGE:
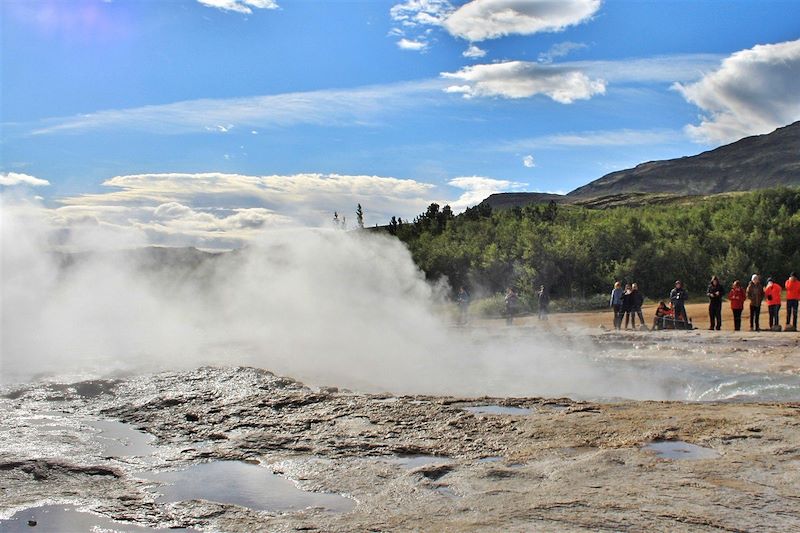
(283, 111)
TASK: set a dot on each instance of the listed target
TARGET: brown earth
(698, 313)
(565, 466)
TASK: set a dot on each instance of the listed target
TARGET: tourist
(755, 293)
(616, 303)
(544, 302)
(792, 297)
(773, 293)
(662, 311)
(462, 300)
(511, 305)
(714, 293)
(737, 298)
(627, 304)
(677, 298)
(638, 302)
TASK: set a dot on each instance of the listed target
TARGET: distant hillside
(757, 162)
(505, 200)
(630, 199)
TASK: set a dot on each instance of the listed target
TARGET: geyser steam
(324, 306)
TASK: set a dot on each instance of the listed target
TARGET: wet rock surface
(563, 465)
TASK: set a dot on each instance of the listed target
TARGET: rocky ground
(764, 351)
(561, 466)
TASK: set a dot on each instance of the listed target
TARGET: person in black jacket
(678, 297)
(638, 302)
(714, 293)
(544, 302)
(627, 304)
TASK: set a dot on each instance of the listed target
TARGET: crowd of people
(510, 302)
(627, 304)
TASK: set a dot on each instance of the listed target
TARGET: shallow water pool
(243, 484)
(497, 410)
(679, 450)
(68, 519)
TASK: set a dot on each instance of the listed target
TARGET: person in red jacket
(772, 292)
(737, 297)
(792, 298)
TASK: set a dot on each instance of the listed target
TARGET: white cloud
(217, 210)
(417, 17)
(10, 179)
(656, 69)
(171, 210)
(477, 188)
(240, 6)
(366, 105)
(528, 161)
(359, 105)
(473, 52)
(220, 128)
(621, 137)
(521, 79)
(408, 44)
(754, 91)
(559, 50)
(479, 20)
(421, 12)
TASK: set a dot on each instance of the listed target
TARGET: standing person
(616, 303)
(755, 293)
(737, 297)
(627, 304)
(462, 299)
(511, 305)
(544, 302)
(678, 297)
(792, 298)
(638, 302)
(773, 293)
(714, 293)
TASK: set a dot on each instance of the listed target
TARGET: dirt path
(698, 312)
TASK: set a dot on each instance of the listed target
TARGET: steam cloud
(324, 306)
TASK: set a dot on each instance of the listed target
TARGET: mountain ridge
(751, 163)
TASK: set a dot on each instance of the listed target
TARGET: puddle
(243, 484)
(497, 410)
(409, 462)
(489, 460)
(122, 440)
(66, 518)
(677, 449)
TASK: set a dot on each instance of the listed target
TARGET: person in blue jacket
(616, 303)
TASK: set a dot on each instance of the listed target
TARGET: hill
(752, 163)
(505, 200)
(757, 162)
